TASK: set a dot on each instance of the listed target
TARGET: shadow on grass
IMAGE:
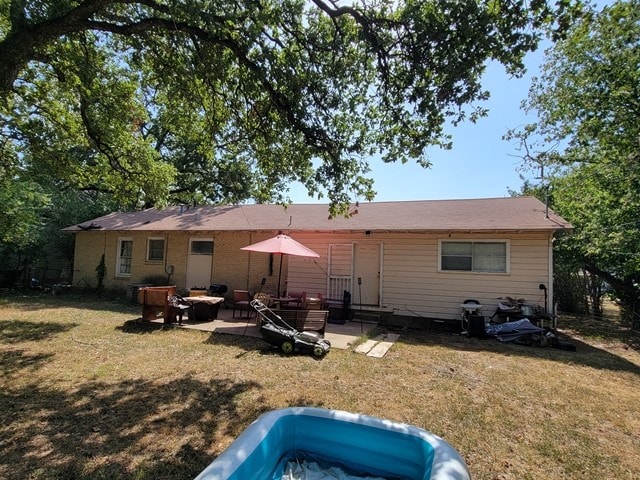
(585, 354)
(251, 345)
(16, 331)
(36, 300)
(609, 328)
(13, 361)
(244, 342)
(99, 430)
(142, 327)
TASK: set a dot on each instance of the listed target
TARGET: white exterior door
(199, 263)
(366, 274)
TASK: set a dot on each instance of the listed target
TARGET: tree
(156, 101)
(588, 101)
(35, 210)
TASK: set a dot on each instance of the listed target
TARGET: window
(155, 250)
(124, 257)
(201, 247)
(487, 257)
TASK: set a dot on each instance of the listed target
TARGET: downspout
(380, 276)
(104, 252)
(167, 270)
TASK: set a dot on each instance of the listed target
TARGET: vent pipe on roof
(546, 201)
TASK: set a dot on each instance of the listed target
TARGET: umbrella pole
(279, 276)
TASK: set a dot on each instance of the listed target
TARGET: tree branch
(618, 283)
(93, 134)
(24, 39)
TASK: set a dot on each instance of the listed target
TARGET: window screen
(474, 256)
(155, 250)
(125, 255)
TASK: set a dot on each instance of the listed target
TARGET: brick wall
(230, 266)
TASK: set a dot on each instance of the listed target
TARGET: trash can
(476, 326)
(340, 312)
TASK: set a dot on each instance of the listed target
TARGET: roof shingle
(489, 214)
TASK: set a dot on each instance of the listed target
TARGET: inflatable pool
(359, 443)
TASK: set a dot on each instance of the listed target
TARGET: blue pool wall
(367, 444)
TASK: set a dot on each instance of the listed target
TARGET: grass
(87, 392)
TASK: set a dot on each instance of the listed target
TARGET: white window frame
(507, 243)
(164, 249)
(119, 258)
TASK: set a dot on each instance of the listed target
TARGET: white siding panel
(309, 274)
(412, 284)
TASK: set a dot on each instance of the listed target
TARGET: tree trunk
(24, 39)
(626, 291)
(15, 52)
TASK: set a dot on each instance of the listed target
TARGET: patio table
(285, 301)
(204, 307)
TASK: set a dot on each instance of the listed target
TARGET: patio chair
(267, 301)
(265, 298)
(312, 303)
(299, 299)
(178, 307)
(315, 302)
(241, 301)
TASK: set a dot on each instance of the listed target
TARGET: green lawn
(89, 393)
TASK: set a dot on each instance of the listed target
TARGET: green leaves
(22, 204)
(588, 100)
(163, 102)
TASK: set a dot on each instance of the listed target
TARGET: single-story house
(418, 259)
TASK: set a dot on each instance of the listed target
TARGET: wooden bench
(155, 300)
(305, 320)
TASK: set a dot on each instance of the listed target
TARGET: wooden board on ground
(383, 347)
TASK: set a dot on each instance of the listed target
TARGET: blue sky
(480, 164)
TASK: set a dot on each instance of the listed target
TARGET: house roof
(489, 214)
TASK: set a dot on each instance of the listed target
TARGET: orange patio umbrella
(282, 245)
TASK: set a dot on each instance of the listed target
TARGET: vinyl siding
(411, 282)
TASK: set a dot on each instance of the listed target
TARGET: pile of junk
(513, 321)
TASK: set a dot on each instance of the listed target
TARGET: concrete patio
(341, 336)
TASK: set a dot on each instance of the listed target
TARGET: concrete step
(365, 317)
